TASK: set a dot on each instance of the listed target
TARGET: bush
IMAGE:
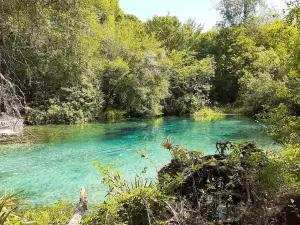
(245, 186)
(112, 115)
(260, 92)
(207, 114)
(134, 203)
(281, 176)
(75, 105)
(11, 213)
(283, 126)
(59, 214)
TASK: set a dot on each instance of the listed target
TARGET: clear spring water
(61, 161)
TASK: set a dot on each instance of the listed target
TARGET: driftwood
(81, 209)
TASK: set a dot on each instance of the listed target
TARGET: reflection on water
(61, 160)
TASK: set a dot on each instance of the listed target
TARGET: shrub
(248, 185)
(112, 115)
(281, 176)
(75, 105)
(134, 203)
(283, 127)
(260, 92)
(59, 214)
(207, 114)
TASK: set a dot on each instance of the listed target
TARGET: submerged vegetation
(74, 62)
(207, 114)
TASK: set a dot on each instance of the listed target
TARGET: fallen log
(81, 209)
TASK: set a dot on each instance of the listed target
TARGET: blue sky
(201, 10)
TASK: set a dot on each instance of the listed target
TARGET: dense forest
(81, 61)
(69, 62)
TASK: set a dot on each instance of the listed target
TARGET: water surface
(61, 160)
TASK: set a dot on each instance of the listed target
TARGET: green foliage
(284, 127)
(133, 78)
(276, 171)
(84, 61)
(178, 152)
(237, 12)
(138, 206)
(190, 83)
(59, 214)
(267, 177)
(205, 44)
(236, 51)
(11, 213)
(132, 203)
(231, 109)
(171, 32)
(281, 175)
(9, 203)
(76, 60)
(78, 105)
(207, 114)
(112, 115)
(260, 92)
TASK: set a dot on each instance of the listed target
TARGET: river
(61, 159)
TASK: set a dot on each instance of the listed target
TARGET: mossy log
(81, 209)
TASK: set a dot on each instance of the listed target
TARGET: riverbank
(237, 188)
(33, 133)
(234, 186)
(64, 154)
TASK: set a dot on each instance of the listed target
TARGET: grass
(229, 109)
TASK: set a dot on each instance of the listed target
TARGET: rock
(8, 133)
(10, 126)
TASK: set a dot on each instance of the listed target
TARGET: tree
(259, 93)
(205, 44)
(12, 102)
(53, 48)
(237, 12)
(171, 32)
(293, 10)
(235, 54)
(190, 83)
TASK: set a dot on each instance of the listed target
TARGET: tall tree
(236, 12)
(171, 32)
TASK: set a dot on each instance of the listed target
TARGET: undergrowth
(240, 187)
(242, 184)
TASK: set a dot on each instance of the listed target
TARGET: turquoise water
(61, 161)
